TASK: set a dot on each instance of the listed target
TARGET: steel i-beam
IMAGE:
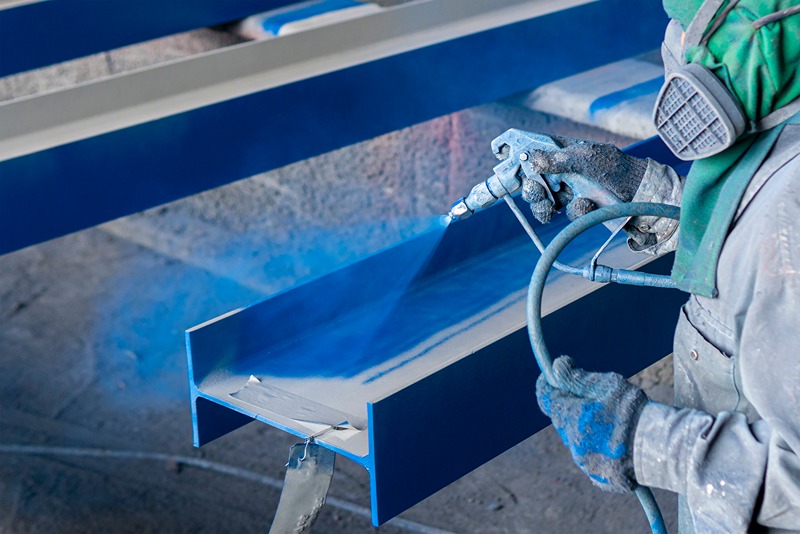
(420, 352)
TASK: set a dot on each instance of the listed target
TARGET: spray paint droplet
(709, 489)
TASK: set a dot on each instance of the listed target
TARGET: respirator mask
(695, 114)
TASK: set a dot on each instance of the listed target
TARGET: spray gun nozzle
(459, 210)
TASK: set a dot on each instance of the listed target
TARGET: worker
(730, 445)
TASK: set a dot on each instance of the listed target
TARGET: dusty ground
(95, 428)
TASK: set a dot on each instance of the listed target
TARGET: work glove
(596, 416)
(605, 164)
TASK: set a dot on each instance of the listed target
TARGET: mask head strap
(697, 28)
(775, 17)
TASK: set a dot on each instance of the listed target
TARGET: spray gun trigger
(546, 185)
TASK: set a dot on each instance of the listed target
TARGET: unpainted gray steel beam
(44, 121)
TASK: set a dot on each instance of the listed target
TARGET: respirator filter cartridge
(695, 115)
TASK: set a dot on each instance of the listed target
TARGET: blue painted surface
(211, 419)
(629, 93)
(382, 306)
(597, 432)
(81, 184)
(395, 313)
(43, 33)
(274, 23)
(444, 426)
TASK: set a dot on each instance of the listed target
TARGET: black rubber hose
(534, 304)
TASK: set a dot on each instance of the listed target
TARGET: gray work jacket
(731, 447)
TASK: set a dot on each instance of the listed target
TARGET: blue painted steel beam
(485, 404)
(383, 318)
(81, 184)
(42, 33)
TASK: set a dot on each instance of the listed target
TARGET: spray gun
(513, 149)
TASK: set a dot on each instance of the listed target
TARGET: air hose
(536, 289)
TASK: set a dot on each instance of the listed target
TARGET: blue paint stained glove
(596, 416)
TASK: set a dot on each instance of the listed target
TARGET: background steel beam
(43, 32)
(83, 182)
(143, 95)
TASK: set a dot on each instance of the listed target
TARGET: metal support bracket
(309, 472)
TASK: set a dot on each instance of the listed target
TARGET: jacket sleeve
(717, 462)
(654, 235)
(733, 472)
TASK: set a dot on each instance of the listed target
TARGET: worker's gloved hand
(596, 416)
(605, 164)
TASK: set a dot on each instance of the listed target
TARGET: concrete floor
(95, 427)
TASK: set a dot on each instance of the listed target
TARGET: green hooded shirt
(760, 67)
